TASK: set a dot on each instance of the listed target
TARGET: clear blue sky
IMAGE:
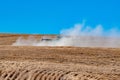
(50, 16)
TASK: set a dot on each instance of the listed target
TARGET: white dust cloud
(80, 36)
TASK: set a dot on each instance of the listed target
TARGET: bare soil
(56, 63)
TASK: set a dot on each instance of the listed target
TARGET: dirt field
(56, 63)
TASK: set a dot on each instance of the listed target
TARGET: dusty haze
(80, 35)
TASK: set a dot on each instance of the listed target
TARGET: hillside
(56, 63)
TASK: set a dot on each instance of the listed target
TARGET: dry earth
(56, 63)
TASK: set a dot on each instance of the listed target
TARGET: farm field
(56, 63)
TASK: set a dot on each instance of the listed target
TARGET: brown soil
(56, 63)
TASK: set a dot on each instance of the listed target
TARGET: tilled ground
(15, 70)
(59, 63)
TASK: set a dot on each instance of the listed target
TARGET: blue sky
(50, 16)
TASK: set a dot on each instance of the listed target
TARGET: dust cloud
(80, 36)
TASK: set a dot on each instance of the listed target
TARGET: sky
(50, 16)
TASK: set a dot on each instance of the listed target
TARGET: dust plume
(80, 36)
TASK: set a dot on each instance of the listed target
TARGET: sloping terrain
(56, 63)
(9, 39)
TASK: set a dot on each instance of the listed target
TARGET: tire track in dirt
(46, 74)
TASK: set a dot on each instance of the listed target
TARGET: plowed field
(56, 63)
